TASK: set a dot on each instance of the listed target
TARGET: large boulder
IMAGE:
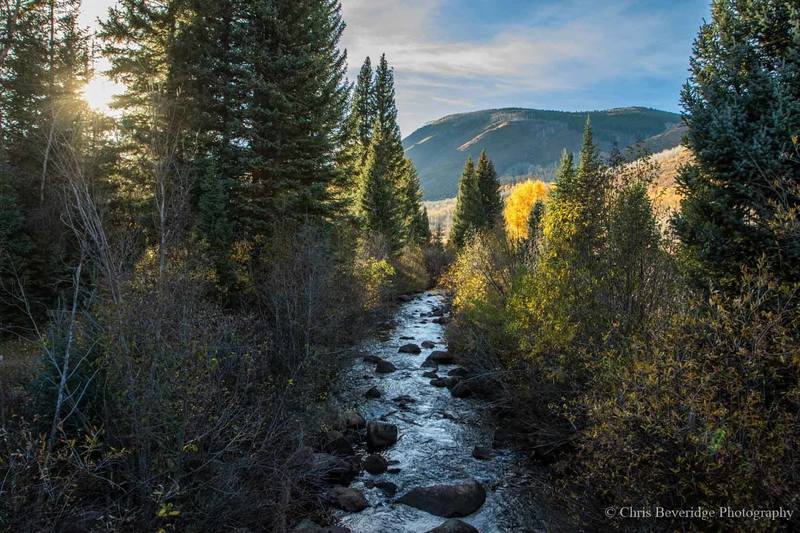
(385, 367)
(375, 464)
(454, 525)
(410, 348)
(380, 435)
(447, 501)
(347, 499)
(443, 357)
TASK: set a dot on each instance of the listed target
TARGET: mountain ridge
(525, 141)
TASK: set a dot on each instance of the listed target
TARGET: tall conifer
(469, 216)
(490, 191)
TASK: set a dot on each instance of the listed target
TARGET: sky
(453, 56)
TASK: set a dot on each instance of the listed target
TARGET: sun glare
(99, 93)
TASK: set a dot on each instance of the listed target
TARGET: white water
(437, 435)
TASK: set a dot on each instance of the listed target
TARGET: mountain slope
(525, 141)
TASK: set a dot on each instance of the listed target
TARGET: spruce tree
(742, 107)
(469, 216)
(386, 116)
(490, 191)
(297, 107)
(413, 215)
(377, 205)
(363, 110)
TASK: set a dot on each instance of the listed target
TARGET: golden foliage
(519, 204)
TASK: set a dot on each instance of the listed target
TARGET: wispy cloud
(550, 47)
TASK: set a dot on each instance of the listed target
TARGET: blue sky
(452, 56)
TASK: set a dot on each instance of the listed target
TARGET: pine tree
(490, 191)
(742, 106)
(469, 216)
(377, 205)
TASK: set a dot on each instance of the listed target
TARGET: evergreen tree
(535, 224)
(44, 67)
(490, 191)
(742, 106)
(377, 206)
(363, 110)
(413, 215)
(386, 116)
(468, 217)
(297, 109)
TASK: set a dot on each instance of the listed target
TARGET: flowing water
(437, 436)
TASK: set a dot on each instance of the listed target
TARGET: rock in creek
(443, 357)
(375, 464)
(372, 359)
(440, 382)
(372, 392)
(353, 420)
(428, 344)
(410, 348)
(384, 367)
(447, 501)
(482, 453)
(432, 375)
(347, 499)
(454, 525)
(380, 435)
(389, 488)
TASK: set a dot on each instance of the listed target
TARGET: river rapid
(437, 435)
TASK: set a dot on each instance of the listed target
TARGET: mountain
(525, 142)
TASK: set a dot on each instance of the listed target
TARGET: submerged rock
(389, 488)
(482, 453)
(381, 435)
(373, 392)
(410, 348)
(454, 525)
(384, 367)
(447, 501)
(347, 499)
(428, 344)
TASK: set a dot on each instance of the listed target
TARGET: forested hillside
(526, 141)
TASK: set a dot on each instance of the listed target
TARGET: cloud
(569, 45)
